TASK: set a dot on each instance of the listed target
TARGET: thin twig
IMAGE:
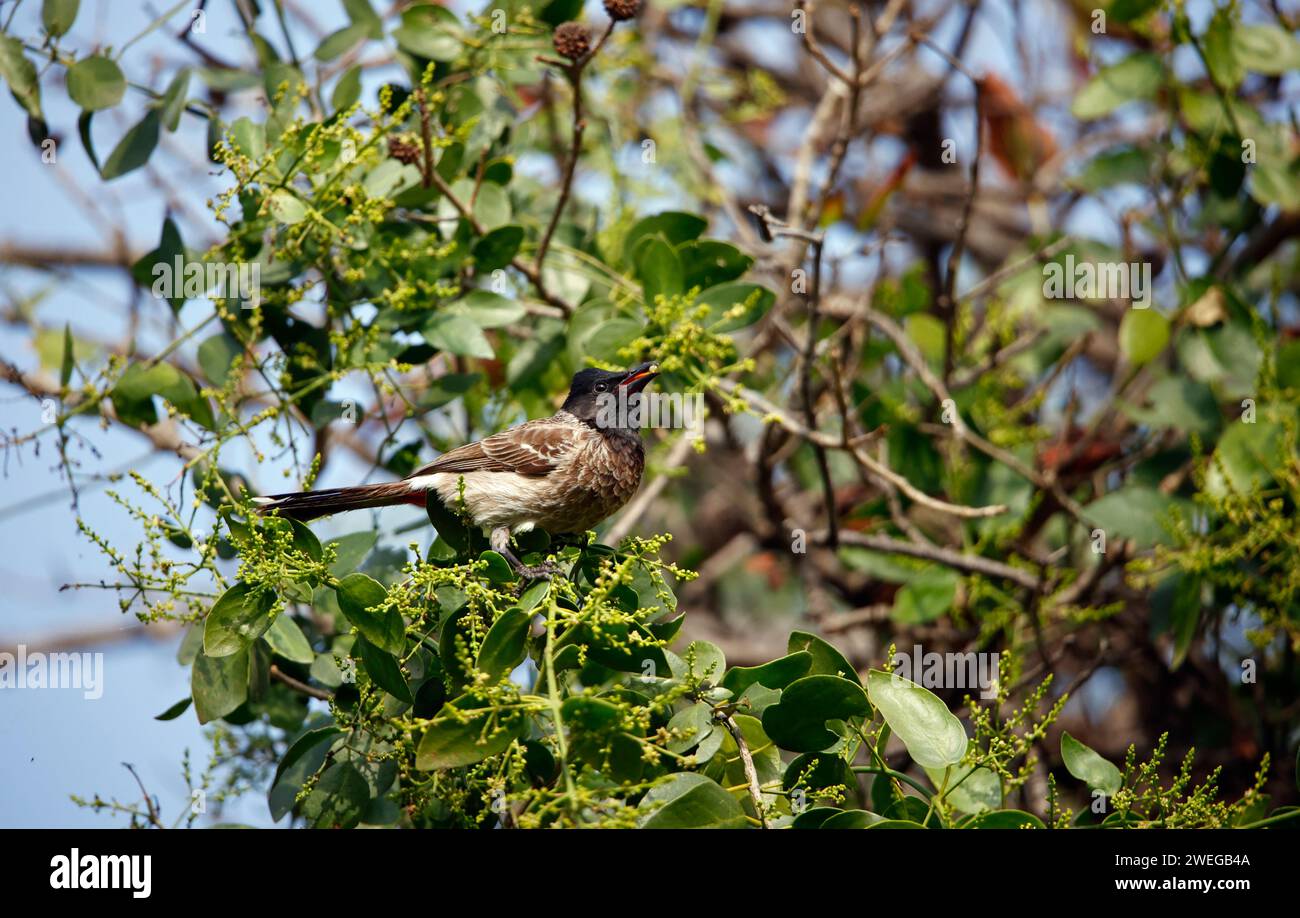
(155, 818)
(747, 762)
(300, 687)
(574, 72)
(947, 556)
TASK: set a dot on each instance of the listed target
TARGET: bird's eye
(601, 387)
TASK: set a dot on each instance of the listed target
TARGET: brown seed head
(572, 40)
(622, 10)
(404, 151)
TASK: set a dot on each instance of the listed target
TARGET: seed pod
(572, 40)
(622, 10)
(404, 151)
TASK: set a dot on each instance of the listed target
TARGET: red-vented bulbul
(562, 474)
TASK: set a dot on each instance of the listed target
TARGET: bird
(563, 474)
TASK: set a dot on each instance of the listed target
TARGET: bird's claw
(546, 569)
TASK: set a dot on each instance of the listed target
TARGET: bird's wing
(534, 448)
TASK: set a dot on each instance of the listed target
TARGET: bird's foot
(546, 569)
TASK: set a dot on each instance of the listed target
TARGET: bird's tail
(308, 505)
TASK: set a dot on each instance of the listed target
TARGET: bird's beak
(637, 377)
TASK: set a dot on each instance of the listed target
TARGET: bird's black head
(593, 394)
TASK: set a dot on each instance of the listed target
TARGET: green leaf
(969, 792)
(1089, 767)
(690, 801)
(707, 262)
(176, 710)
(504, 645)
(851, 819)
(287, 208)
(926, 596)
(218, 684)
(583, 714)
(486, 309)
(20, 75)
(449, 526)
(336, 44)
(798, 721)
(303, 745)
(690, 727)
(384, 670)
(1129, 10)
(1220, 52)
(1181, 403)
(498, 569)
(1136, 512)
(896, 824)
(707, 661)
(1143, 334)
(1180, 596)
(287, 640)
(734, 306)
(463, 733)
(237, 619)
(933, 736)
(305, 757)
(166, 262)
(674, 226)
(248, 137)
(347, 90)
(1004, 819)
(430, 31)
(776, 674)
(1266, 49)
(825, 658)
(497, 248)
(928, 333)
(1123, 166)
(1226, 357)
(815, 817)
(446, 389)
(457, 334)
(96, 83)
(491, 204)
(133, 394)
(1277, 182)
(659, 269)
(1245, 458)
(359, 598)
(362, 13)
(1134, 78)
(58, 16)
(68, 361)
(350, 551)
(216, 356)
(339, 798)
(555, 12)
(605, 342)
(135, 147)
(817, 771)
(174, 99)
